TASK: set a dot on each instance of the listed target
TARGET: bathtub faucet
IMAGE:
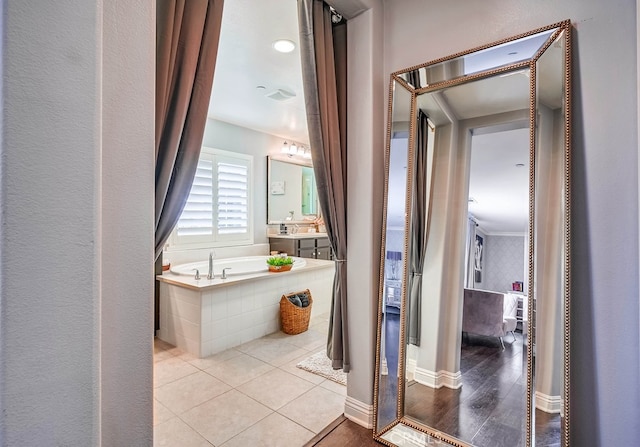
(210, 275)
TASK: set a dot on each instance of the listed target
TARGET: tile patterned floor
(251, 395)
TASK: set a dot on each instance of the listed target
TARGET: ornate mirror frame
(405, 87)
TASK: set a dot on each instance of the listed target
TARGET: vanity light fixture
(284, 46)
(294, 149)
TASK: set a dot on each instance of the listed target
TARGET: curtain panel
(187, 35)
(420, 223)
(323, 48)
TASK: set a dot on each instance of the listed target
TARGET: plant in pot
(279, 263)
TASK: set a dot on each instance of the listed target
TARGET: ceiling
(248, 69)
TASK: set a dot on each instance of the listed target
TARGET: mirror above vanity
(292, 196)
(473, 321)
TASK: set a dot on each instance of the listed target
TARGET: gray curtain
(470, 255)
(323, 49)
(413, 78)
(420, 223)
(187, 34)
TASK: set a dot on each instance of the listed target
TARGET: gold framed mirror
(473, 316)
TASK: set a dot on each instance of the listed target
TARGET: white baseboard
(359, 412)
(438, 379)
(549, 404)
(411, 369)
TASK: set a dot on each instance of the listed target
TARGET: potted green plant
(279, 263)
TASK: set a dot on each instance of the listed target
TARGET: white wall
(605, 385)
(76, 258)
(365, 146)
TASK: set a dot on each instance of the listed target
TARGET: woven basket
(294, 319)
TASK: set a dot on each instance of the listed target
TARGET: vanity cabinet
(315, 248)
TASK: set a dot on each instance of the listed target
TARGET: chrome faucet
(210, 275)
(224, 272)
(197, 277)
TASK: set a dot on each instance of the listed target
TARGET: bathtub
(237, 266)
(205, 316)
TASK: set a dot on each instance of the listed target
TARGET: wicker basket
(294, 319)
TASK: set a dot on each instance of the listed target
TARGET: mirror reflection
(484, 290)
(393, 259)
(291, 191)
(469, 354)
(551, 246)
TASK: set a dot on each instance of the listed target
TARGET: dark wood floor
(343, 432)
(488, 410)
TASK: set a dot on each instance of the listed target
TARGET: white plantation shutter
(218, 209)
(233, 203)
(197, 216)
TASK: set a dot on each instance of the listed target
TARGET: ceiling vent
(281, 95)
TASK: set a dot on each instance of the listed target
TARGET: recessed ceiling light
(284, 46)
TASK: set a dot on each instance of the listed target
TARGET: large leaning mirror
(473, 320)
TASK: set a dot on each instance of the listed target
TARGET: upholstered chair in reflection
(490, 314)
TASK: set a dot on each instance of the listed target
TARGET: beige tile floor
(251, 395)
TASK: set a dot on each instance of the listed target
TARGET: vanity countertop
(298, 236)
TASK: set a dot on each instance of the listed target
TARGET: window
(218, 210)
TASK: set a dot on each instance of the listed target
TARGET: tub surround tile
(206, 307)
(234, 306)
(190, 391)
(206, 320)
(273, 431)
(225, 416)
(175, 432)
(188, 310)
(275, 388)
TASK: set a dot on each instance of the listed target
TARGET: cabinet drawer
(306, 243)
(322, 242)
